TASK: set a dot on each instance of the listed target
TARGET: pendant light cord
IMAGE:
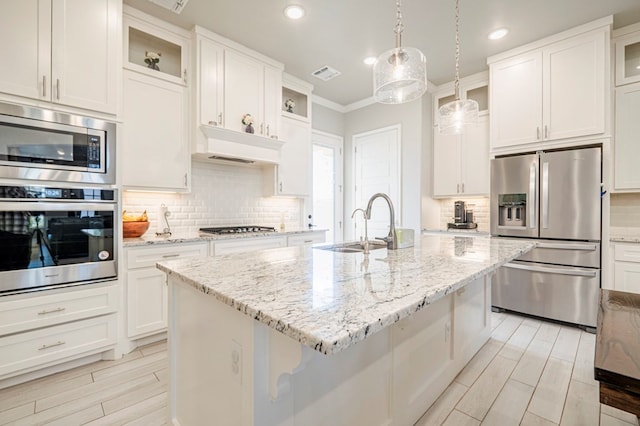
(457, 81)
(399, 26)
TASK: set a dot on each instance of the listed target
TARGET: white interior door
(377, 169)
(327, 184)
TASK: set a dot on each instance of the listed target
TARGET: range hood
(216, 143)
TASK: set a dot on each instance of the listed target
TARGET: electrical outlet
(236, 361)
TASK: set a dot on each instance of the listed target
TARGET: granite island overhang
(340, 307)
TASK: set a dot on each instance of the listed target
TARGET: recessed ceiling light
(370, 60)
(498, 34)
(294, 11)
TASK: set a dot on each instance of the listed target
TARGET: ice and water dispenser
(512, 210)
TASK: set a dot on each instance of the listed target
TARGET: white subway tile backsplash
(220, 195)
(625, 210)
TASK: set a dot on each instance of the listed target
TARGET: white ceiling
(340, 33)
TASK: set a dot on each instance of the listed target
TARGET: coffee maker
(462, 217)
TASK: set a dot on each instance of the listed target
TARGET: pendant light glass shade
(454, 116)
(399, 74)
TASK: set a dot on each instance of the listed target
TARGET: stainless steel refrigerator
(554, 197)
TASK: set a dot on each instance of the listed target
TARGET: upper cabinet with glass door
(627, 42)
(153, 51)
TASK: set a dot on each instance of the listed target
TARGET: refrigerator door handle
(558, 271)
(532, 194)
(545, 195)
(558, 246)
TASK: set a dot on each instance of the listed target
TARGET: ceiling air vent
(326, 73)
(175, 6)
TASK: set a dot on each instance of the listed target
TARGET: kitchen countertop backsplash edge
(151, 239)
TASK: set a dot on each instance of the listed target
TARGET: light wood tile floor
(529, 373)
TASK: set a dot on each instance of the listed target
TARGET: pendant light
(399, 74)
(453, 116)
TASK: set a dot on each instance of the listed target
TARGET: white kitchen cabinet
(155, 152)
(461, 162)
(251, 87)
(243, 245)
(557, 90)
(307, 238)
(626, 149)
(292, 175)
(627, 54)
(155, 149)
(626, 267)
(62, 51)
(146, 286)
(144, 34)
(42, 329)
(233, 81)
(41, 348)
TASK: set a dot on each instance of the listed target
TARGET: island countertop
(329, 300)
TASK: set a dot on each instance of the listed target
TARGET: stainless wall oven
(53, 236)
(40, 144)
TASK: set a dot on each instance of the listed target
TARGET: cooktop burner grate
(237, 229)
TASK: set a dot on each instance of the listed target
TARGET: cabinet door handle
(213, 123)
(184, 75)
(538, 133)
(457, 188)
(280, 186)
(44, 86)
(166, 256)
(185, 180)
(462, 185)
(58, 88)
(58, 343)
(546, 132)
(220, 119)
(267, 130)
(51, 311)
(262, 128)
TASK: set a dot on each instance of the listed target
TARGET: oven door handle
(44, 206)
(547, 270)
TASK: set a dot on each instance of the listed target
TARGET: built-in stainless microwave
(40, 144)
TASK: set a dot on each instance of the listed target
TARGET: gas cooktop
(237, 229)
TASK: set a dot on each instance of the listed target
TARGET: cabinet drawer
(40, 311)
(45, 346)
(248, 244)
(306, 238)
(627, 252)
(148, 256)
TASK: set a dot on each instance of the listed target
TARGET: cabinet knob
(213, 123)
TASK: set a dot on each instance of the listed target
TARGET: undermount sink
(352, 247)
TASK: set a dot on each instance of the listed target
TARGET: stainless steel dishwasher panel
(561, 293)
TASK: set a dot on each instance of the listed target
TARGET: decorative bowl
(134, 229)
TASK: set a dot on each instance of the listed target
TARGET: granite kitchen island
(307, 336)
